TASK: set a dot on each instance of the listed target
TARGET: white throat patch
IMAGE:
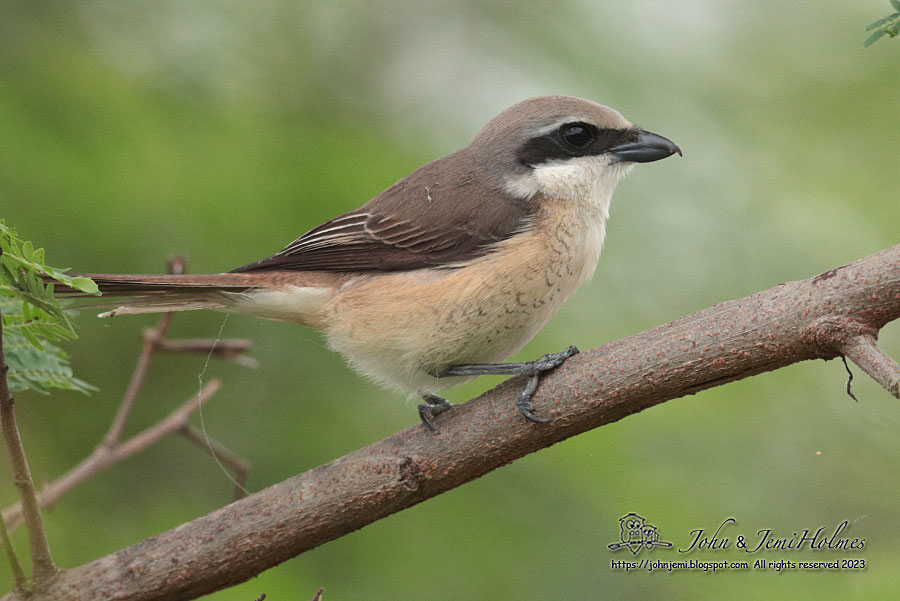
(587, 181)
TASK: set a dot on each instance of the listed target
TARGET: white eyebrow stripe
(548, 128)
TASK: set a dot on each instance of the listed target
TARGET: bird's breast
(400, 327)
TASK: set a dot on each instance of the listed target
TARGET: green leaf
(84, 285)
(896, 5)
(36, 369)
(878, 23)
(32, 317)
(895, 30)
(874, 38)
(30, 337)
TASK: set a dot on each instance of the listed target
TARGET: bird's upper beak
(647, 148)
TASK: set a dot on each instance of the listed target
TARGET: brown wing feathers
(416, 223)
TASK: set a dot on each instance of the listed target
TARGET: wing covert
(420, 221)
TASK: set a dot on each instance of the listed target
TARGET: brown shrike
(453, 268)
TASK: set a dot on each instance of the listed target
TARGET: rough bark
(796, 321)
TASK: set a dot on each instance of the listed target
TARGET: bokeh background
(223, 130)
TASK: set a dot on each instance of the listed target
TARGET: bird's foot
(546, 363)
(433, 405)
(532, 369)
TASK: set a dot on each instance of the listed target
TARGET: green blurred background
(223, 130)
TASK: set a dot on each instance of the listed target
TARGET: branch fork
(112, 449)
(796, 321)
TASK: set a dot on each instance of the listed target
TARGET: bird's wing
(423, 220)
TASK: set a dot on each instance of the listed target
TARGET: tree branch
(232, 349)
(865, 352)
(21, 582)
(792, 322)
(44, 568)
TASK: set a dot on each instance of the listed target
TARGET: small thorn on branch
(318, 594)
(176, 265)
(849, 379)
(864, 351)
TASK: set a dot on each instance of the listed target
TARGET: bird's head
(564, 147)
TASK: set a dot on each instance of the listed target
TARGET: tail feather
(149, 306)
(133, 294)
(289, 296)
(137, 284)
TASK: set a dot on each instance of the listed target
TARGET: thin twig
(151, 338)
(18, 574)
(318, 594)
(171, 424)
(105, 456)
(240, 467)
(864, 351)
(226, 347)
(44, 568)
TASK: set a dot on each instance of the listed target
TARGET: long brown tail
(160, 293)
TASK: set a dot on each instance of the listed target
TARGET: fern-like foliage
(33, 318)
(887, 26)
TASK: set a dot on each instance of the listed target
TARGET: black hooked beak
(647, 148)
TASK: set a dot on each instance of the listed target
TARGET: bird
(453, 268)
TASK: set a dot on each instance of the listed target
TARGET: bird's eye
(578, 135)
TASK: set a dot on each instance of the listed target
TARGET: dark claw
(433, 406)
(426, 415)
(524, 400)
(531, 416)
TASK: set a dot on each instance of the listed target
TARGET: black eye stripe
(553, 145)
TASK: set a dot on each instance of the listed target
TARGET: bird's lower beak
(647, 148)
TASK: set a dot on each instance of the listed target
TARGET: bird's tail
(130, 294)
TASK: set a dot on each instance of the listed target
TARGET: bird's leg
(532, 369)
(432, 406)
